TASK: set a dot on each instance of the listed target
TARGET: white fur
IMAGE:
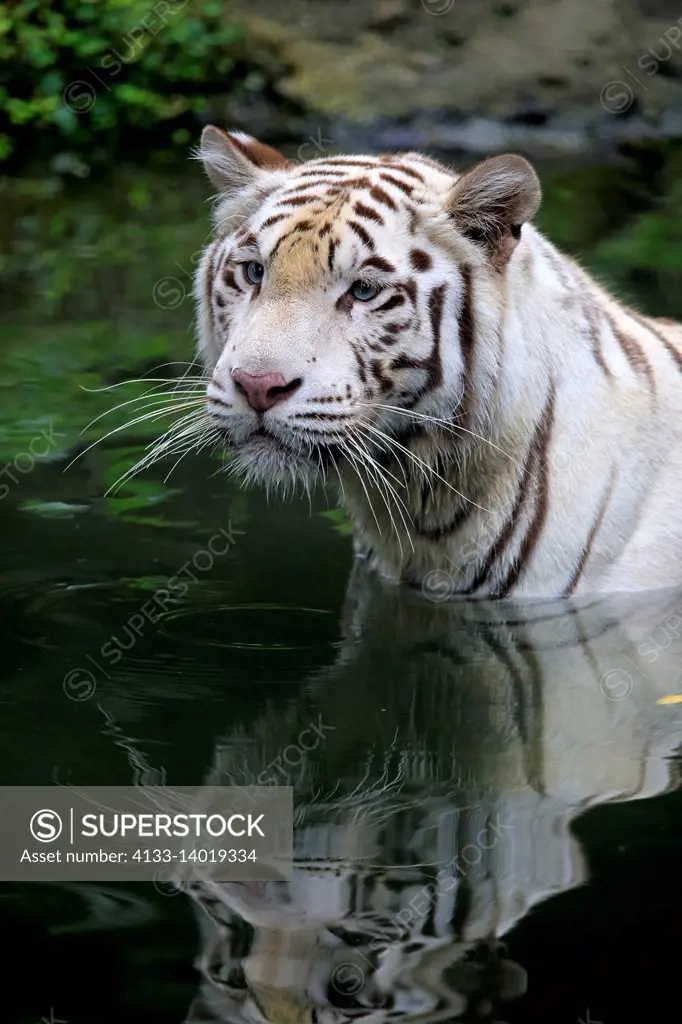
(532, 333)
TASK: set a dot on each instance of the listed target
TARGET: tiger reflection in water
(484, 733)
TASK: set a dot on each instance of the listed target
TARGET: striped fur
(453, 408)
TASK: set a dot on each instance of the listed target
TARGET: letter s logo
(46, 826)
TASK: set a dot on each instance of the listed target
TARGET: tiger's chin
(266, 461)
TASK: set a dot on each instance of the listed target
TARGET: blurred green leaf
(86, 72)
(339, 520)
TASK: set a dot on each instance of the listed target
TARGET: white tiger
(485, 406)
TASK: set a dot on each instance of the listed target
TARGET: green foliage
(642, 260)
(624, 222)
(81, 76)
(340, 521)
(97, 250)
(651, 242)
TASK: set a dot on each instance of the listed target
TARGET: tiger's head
(336, 304)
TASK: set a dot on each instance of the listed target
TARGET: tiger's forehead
(302, 223)
(388, 184)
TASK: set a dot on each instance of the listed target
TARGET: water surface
(508, 773)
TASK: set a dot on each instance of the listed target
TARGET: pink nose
(263, 390)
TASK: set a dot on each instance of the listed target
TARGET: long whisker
(202, 376)
(186, 426)
(425, 466)
(336, 467)
(401, 483)
(154, 399)
(143, 380)
(351, 458)
(178, 434)
(400, 504)
(371, 468)
(445, 424)
(211, 434)
(390, 445)
(148, 416)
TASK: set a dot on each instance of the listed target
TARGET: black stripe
(594, 324)
(403, 186)
(408, 171)
(449, 528)
(436, 305)
(392, 303)
(410, 287)
(363, 210)
(499, 546)
(303, 225)
(362, 370)
(420, 260)
(379, 196)
(380, 263)
(305, 187)
(333, 246)
(384, 382)
(530, 541)
(589, 542)
(467, 328)
(362, 234)
(319, 172)
(299, 200)
(210, 278)
(668, 345)
(633, 353)
(275, 219)
(431, 363)
(323, 415)
(341, 161)
(230, 280)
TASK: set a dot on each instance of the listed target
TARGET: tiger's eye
(363, 291)
(254, 272)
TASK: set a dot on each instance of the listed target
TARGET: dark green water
(439, 722)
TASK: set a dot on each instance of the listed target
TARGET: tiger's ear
(490, 203)
(233, 160)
